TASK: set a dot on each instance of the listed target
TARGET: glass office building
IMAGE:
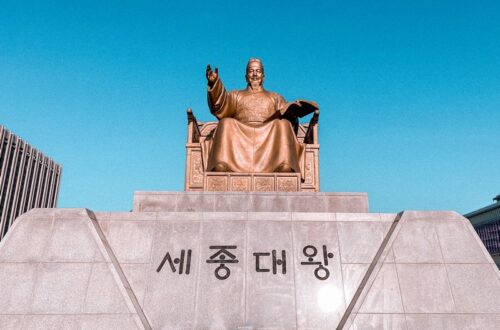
(28, 179)
(486, 222)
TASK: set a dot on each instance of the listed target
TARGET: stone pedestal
(200, 269)
(171, 201)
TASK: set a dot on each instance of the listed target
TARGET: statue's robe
(246, 141)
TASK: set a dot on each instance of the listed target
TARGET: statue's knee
(226, 121)
(285, 124)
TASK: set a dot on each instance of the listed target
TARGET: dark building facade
(28, 179)
(486, 221)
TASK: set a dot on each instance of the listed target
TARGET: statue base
(264, 182)
(191, 201)
(166, 266)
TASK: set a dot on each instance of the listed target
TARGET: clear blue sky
(409, 90)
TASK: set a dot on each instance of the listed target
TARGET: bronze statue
(256, 127)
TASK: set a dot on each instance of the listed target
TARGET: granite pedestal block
(164, 269)
(156, 201)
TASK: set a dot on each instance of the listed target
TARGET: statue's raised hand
(212, 75)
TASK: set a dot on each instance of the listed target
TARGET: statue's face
(255, 74)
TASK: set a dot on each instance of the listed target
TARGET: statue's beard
(255, 83)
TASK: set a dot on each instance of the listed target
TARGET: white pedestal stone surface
(76, 269)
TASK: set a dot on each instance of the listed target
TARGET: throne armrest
(310, 136)
(193, 128)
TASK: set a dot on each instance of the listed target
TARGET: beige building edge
(160, 267)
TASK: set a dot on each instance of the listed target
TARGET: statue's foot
(284, 167)
(221, 167)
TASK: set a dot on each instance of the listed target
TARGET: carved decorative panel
(264, 183)
(240, 183)
(216, 183)
(196, 168)
(287, 183)
(309, 170)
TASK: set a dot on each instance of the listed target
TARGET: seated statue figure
(253, 135)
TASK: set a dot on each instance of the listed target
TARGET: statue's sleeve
(280, 102)
(222, 104)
